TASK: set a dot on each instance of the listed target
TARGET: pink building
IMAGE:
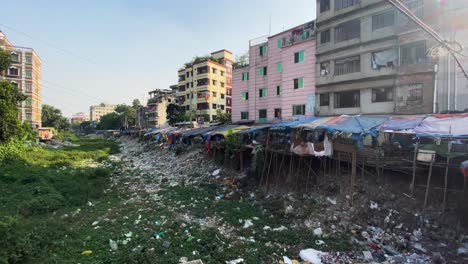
(279, 81)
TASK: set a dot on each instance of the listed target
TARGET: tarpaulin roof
(254, 129)
(315, 123)
(402, 123)
(354, 124)
(291, 124)
(151, 131)
(198, 131)
(234, 130)
(449, 125)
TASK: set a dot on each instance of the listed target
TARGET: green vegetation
(52, 117)
(38, 187)
(124, 116)
(10, 97)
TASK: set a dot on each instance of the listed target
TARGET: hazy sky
(118, 50)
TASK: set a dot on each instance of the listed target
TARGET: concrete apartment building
(25, 73)
(372, 59)
(279, 81)
(157, 105)
(97, 111)
(205, 85)
(79, 118)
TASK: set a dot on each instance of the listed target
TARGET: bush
(66, 136)
(13, 150)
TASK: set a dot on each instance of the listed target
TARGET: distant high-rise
(25, 73)
(97, 111)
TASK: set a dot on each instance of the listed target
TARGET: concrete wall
(290, 70)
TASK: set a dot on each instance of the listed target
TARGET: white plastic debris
(90, 203)
(216, 172)
(235, 261)
(95, 223)
(367, 255)
(281, 228)
(318, 232)
(311, 255)
(113, 245)
(266, 228)
(319, 242)
(287, 260)
(373, 205)
(129, 234)
(248, 223)
(332, 201)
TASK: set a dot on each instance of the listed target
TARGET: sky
(114, 51)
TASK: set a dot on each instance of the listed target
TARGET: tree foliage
(175, 113)
(52, 117)
(110, 121)
(127, 115)
(136, 104)
(5, 61)
(10, 97)
(223, 117)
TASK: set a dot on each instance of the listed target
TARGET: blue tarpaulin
(402, 123)
(361, 125)
(291, 124)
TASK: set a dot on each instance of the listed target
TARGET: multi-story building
(79, 117)
(25, 73)
(279, 81)
(372, 59)
(97, 111)
(157, 105)
(205, 85)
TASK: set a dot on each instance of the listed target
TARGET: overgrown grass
(37, 185)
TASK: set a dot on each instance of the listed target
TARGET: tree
(110, 121)
(175, 113)
(242, 60)
(5, 61)
(223, 117)
(52, 117)
(10, 97)
(127, 115)
(136, 104)
(86, 127)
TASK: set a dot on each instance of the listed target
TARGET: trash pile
(314, 228)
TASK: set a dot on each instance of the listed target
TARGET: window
(222, 84)
(325, 36)
(188, 96)
(222, 73)
(221, 106)
(187, 85)
(382, 94)
(348, 30)
(325, 99)
(187, 107)
(279, 90)
(187, 74)
(28, 102)
(341, 4)
(14, 57)
(416, 6)
(29, 59)
(244, 115)
(324, 5)
(413, 53)
(214, 82)
(28, 116)
(263, 50)
(384, 59)
(215, 71)
(214, 106)
(348, 65)
(245, 96)
(278, 113)
(299, 83)
(222, 96)
(347, 99)
(262, 71)
(279, 67)
(214, 94)
(262, 92)
(245, 76)
(13, 71)
(324, 68)
(280, 42)
(415, 94)
(385, 19)
(299, 109)
(262, 115)
(299, 56)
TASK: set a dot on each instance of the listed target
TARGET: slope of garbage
(185, 207)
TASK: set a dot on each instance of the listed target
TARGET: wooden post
(268, 173)
(353, 175)
(416, 148)
(446, 175)
(427, 186)
(279, 171)
(308, 176)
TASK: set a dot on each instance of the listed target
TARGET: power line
(407, 12)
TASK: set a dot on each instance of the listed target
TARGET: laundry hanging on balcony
(384, 58)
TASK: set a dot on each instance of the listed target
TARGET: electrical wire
(407, 12)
